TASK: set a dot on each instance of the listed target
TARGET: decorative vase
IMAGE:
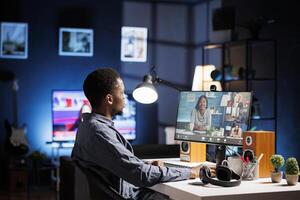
(291, 179)
(276, 177)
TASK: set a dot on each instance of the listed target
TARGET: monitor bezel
(207, 142)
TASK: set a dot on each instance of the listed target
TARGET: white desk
(248, 190)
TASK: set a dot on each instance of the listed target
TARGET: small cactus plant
(277, 162)
(291, 166)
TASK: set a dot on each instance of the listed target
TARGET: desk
(261, 189)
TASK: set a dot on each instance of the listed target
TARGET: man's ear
(109, 98)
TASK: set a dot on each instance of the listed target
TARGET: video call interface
(213, 117)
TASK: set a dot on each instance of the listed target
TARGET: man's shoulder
(95, 124)
(90, 118)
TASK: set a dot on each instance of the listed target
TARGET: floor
(32, 194)
(28, 184)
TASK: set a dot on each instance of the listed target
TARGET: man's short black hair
(98, 84)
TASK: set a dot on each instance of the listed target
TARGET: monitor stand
(220, 154)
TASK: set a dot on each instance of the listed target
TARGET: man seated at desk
(99, 147)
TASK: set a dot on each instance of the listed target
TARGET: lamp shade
(145, 92)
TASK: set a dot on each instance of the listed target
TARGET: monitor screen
(213, 117)
(66, 109)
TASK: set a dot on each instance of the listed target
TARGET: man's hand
(195, 172)
(158, 163)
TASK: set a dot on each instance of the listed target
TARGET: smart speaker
(192, 152)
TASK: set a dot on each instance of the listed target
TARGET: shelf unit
(249, 65)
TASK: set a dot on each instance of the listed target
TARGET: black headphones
(224, 176)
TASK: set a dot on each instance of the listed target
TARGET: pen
(260, 157)
(252, 168)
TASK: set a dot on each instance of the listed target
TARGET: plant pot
(276, 177)
(291, 179)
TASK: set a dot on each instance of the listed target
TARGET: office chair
(97, 187)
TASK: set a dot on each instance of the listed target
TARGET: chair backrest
(97, 187)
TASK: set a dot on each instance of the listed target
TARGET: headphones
(224, 176)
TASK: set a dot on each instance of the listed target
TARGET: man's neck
(104, 112)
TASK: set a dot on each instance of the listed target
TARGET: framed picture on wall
(75, 42)
(14, 40)
(134, 44)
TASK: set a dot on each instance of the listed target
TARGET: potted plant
(277, 161)
(291, 171)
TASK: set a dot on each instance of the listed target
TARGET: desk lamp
(145, 92)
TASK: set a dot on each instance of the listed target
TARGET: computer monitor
(67, 106)
(213, 117)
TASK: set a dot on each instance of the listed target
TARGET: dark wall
(286, 30)
(44, 70)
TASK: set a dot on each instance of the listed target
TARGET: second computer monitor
(213, 117)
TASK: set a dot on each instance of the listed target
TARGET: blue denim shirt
(100, 147)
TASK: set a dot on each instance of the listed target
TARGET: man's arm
(194, 172)
(110, 154)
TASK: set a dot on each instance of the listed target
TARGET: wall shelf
(255, 61)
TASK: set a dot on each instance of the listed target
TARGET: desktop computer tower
(260, 142)
(192, 152)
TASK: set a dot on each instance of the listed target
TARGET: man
(101, 148)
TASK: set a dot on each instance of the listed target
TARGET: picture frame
(76, 42)
(134, 44)
(14, 40)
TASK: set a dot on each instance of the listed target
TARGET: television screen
(126, 123)
(66, 109)
(213, 117)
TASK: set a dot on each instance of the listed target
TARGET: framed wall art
(14, 40)
(134, 44)
(75, 42)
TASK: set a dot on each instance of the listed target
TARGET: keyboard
(182, 164)
(175, 162)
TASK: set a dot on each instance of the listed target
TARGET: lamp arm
(155, 79)
(167, 83)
